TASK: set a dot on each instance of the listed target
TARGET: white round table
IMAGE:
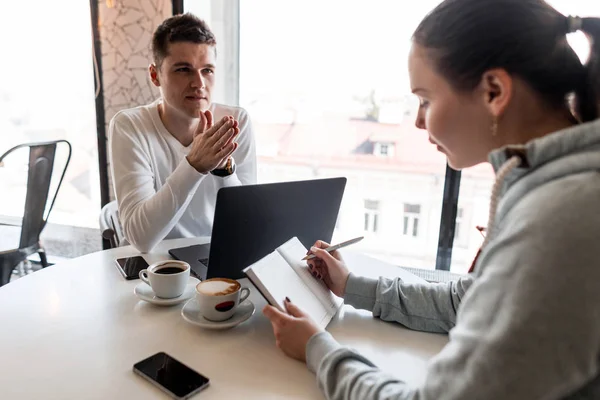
(74, 331)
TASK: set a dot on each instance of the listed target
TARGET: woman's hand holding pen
(329, 267)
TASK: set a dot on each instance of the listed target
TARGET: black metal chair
(110, 226)
(39, 177)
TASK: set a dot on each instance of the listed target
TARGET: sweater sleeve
(394, 300)
(528, 328)
(147, 214)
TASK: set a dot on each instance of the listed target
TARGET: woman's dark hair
(527, 38)
(179, 28)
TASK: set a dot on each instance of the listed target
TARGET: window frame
(448, 219)
(101, 122)
(384, 149)
(229, 16)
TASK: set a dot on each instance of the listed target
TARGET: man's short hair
(179, 28)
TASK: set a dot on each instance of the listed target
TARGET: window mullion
(448, 219)
(177, 7)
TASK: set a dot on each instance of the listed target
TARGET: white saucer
(191, 313)
(144, 292)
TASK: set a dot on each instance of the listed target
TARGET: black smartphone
(130, 267)
(171, 376)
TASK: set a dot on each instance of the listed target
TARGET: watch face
(225, 171)
(230, 166)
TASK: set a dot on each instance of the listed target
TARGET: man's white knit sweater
(160, 195)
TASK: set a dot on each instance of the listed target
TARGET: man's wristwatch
(229, 169)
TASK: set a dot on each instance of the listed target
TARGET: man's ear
(497, 89)
(153, 71)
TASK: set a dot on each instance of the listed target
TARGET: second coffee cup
(219, 297)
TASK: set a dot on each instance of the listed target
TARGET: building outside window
(384, 149)
(412, 213)
(371, 216)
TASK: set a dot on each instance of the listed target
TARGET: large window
(326, 85)
(47, 93)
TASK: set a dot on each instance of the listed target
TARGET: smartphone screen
(171, 375)
(130, 267)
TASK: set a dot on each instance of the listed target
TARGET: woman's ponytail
(588, 92)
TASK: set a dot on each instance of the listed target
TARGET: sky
(47, 64)
(324, 54)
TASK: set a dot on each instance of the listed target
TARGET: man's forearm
(147, 217)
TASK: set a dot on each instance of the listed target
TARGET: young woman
(497, 81)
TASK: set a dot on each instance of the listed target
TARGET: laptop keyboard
(204, 261)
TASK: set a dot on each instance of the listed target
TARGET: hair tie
(574, 24)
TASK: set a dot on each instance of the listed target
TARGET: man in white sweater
(169, 158)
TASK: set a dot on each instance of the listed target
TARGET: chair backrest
(110, 226)
(39, 177)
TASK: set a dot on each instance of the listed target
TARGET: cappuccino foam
(218, 287)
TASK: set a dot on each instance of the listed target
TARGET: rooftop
(339, 141)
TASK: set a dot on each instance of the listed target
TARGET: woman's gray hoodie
(526, 323)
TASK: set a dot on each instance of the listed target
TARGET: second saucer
(191, 313)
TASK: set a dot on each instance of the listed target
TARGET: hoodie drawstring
(504, 170)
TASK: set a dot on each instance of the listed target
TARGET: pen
(336, 246)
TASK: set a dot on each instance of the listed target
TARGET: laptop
(251, 221)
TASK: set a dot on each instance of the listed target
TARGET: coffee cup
(167, 279)
(219, 297)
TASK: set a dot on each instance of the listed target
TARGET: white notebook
(283, 274)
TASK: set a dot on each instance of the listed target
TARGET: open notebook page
(293, 251)
(276, 280)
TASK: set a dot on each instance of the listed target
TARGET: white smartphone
(171, 376)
